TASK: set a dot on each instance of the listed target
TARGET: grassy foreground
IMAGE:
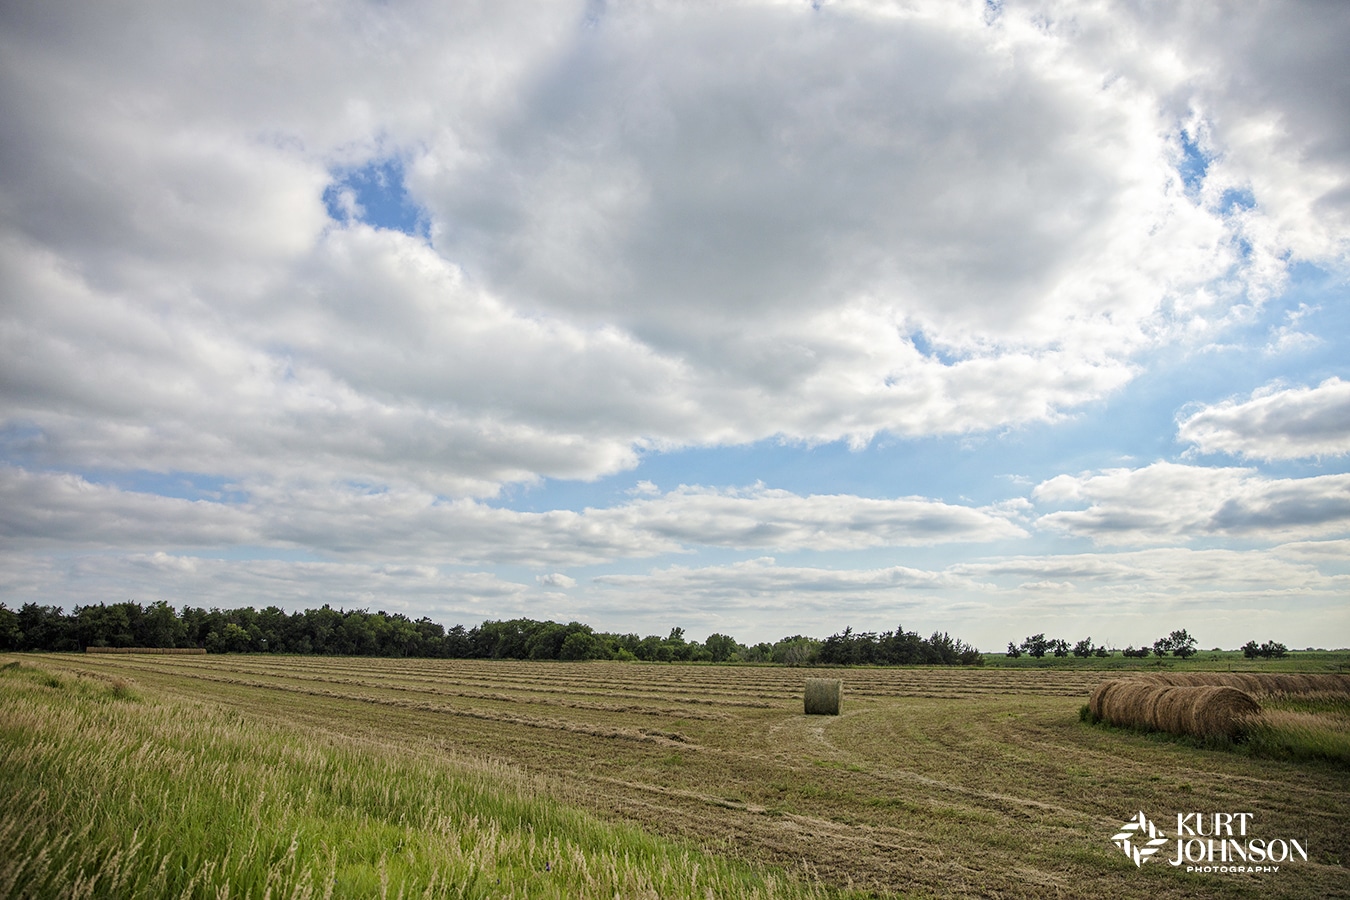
(108, 789)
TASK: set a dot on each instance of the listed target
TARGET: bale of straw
(823, 696)
(1221, 710)
(1127, 703)
(1171, 708)
(1198, 710)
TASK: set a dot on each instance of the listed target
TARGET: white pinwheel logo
(1132, 839)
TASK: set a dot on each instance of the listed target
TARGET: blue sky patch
(1194, 164)
(376, 195)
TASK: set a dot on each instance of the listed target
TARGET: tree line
(1178, 643)
(362, 633)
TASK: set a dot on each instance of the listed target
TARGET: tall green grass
(1302, 728)
(107, 790)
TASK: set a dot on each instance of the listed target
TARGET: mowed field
(932, 782)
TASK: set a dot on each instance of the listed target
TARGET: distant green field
(126, 775)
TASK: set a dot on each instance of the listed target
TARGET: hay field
(932, 782)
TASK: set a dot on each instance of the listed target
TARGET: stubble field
(932, 782)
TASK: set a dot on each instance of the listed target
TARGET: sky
(761, 318)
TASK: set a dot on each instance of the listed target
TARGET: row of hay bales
(196, 651)
(1199, 710)
(1203, 704)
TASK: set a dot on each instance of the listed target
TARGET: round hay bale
(1221, 710)
(823, 696)
(1097, 700)
(1130, 704)
(1172, 708)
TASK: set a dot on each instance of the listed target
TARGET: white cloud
(1166, 502)
(1287, 423)
(54, 511)
(59, 510)
(1260, 89)
(1225, 596)
(759, 517)
(761, 600)
(836, 223)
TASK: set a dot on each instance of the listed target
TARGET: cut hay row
(688, 697)
(1259, 684)
(736, 682)
(637, 684)
(1198, 710)
(177, 651)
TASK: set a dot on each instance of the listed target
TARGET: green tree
(1182, 643)
(1274, 650)
(797, 650)
(581, 645)
(161, 627)
(11, 638)
(1036, 646)
(722, 647)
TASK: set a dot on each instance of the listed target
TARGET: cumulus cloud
(760, 517)
(1275, 423)
(53, 510)
(649, 227)
(1261, 97)
(1161, 571)
(1168, 501)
